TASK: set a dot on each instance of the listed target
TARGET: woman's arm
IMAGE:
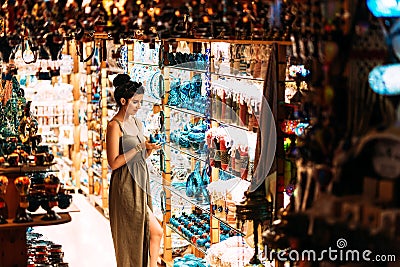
(116, 160)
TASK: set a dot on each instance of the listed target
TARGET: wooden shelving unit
(97, 79)
(13, 235)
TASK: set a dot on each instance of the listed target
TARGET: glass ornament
(384, 8)
(384, 80)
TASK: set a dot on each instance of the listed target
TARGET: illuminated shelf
(201, 249)
(187, 152)
(150, 99)
(188, 111)
(200, 205)
(143, 63)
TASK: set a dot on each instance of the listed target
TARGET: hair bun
(121, 79)
(137, 84)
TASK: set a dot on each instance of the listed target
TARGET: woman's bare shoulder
(113, 126)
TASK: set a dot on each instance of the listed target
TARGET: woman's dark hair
(125, 88)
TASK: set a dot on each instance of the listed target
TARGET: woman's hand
(152, 146)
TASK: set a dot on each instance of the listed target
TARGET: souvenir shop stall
(277, 119)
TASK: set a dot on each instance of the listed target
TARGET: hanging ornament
(384, 8)
(384, 80)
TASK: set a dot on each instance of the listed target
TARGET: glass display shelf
(231, 174)
(201, 115)
(180, 192)
(201, 158)
(202, 68)
(188, 111)
(151, 100)
(143, 63)
(187, 151)
(237, 76)
(201, 249)
(229, 124)
(178, 203)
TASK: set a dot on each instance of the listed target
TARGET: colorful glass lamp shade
(385, 80)
(384, 8)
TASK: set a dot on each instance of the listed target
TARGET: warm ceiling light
(157, 11)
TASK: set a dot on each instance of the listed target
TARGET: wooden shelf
(37, 221)
(26, 168)
(187, 151)
(200, 249)
(13, 240)
(144, 63)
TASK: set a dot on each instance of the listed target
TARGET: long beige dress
(129, 203)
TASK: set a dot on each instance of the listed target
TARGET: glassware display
(3, 205)
(22, 184)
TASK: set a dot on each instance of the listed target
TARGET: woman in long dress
(135, 231)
